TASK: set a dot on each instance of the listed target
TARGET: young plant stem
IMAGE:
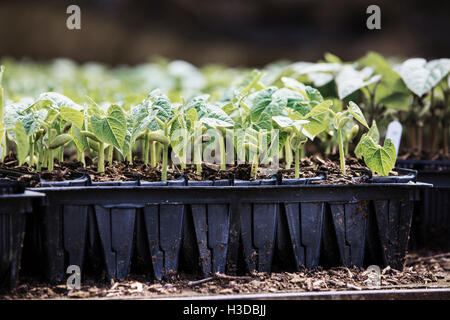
(101, 158)
(341, 152)
(80, 157)
(254, 171)
(40, 156)
(346, 147)
(223, 156)
(288, 150)
(433, 123)
(165, 158)
(50, 151)
(146, 147)
(109, 154)
(118, 156)
(61, 154)
(297, 163)
(130, 155)
(31, 155)
(302, 153)
(153, 154)
(198, 149)
(45, 158)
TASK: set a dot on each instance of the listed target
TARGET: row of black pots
(226, 226)
(273, 223)
(431, 224)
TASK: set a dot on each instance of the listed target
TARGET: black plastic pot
(15, 204)
(295, 221)
(431, 223)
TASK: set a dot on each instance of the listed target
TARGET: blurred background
(236, 33)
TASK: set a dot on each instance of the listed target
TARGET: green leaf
(32, 121)
(373, 133)
(211, 111)
(265, 106)
(60, 141)
(314, 95)
(112, 129)
(393, 100)
(319, 119)
(390, 79)
(295, 85)
(350, 80)
(342, 121)
(320, 110)
(72, 115)
(292, 97)
(161, 109)
(286, 122)
(357, 113)
(379, 159)
(283, 121)
(420, 76)
(22, 142)
(331, 58)
(58, 100)
(249, 81)
(79, 139)
(212, 122)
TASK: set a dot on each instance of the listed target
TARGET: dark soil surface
(121, 171)
(420, 272)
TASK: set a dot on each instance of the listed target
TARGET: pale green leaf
(22, 142)
(111, 129)
(379, 159)
(72, 115)
(420, 76)
(357, 113)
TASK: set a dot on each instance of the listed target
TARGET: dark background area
(252, 32)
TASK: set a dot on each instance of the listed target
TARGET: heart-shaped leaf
(111, 129)
(379, 159)
(420, 76)
(357, 113)
(350, 80)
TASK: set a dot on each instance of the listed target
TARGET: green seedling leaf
(297, 141)
(22, 143)
(60, 141)
(249, 82)
(379, 159)
(295, 85)
(111, 129)
(420, 76)
(350, 80)
(32, 121)
(265, 106)
(314, 95)
(373, 133)
(72, 115)
(79, 139)
(58, 100)
(319, 119)
(320, 110)
(331, 58)
(357, 113)
(292, 97)
(342, 121)
(215, 123)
